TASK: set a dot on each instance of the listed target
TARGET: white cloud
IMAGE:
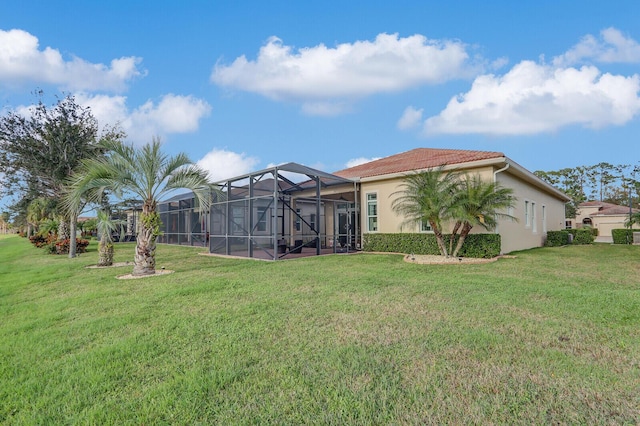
(222, 164)
(410, 119)
(360, 160)
(172, 114)
(533, 98)
(326, 109)
(22, 62)
(319, 75)
(611, 47)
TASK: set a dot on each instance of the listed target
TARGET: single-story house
(603, 216)
(281, 211)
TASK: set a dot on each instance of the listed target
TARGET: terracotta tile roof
(615, 210)
(605, 209)
(416, 159)
(600, 204)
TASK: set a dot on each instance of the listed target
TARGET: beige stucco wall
(515, 235)
(548, 215)
(582, 213)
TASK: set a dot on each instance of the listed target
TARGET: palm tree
(478, 203)
(427, 196)
(148, 174)
(105, 226)
(37, 211)
(632, 220)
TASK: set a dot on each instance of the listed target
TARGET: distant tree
(38, 211)
(39, 152)
(5, 219)
(148, 174)
(571, 181)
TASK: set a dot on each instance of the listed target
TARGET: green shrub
(622, 236)
(476, 245)
(582, 236)
(557, 238)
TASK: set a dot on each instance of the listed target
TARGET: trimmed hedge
(622, 236)
(581, 236)
(475, 245)
(557, 238)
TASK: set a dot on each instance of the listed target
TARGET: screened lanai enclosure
(281, 212)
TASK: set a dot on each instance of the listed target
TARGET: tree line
(55, 162)
(611, 183)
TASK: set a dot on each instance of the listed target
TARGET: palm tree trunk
(72, 237)
(453, 235)
(145, 256)
(439, 238)
(63, 228)
(463, 235)
(105, 252)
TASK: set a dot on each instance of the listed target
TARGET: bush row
(622, 236)
(475, 245)
(62, 247)
(581, 236)
(55, 246)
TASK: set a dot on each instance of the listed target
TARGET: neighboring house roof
(606, 209)
(599, 204)
(416, 159)
(614, 211)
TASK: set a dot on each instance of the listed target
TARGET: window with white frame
(372, 212)
(312, 221)
(527, 217)
(544, 219)
(425, 226)
(534, 222)
(298, 221)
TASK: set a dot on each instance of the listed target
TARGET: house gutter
(495, 178)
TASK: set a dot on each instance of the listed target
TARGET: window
(372, 212)
(533, 217)
(261, 225)
(544, 219)
(568, 224)
(298, 221)
(237, 226)
(425, 226)
(527, 218)
(312, 222)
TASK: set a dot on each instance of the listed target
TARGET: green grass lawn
(552, 336)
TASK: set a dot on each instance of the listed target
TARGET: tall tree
(480, 203)
(148, 174)
(39, 152)
(427, 197)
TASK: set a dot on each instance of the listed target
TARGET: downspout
(495, 180)
(499, 171)
(356, 228)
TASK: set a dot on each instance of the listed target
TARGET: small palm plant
(427, 197)
(479, 203)
(105, 226)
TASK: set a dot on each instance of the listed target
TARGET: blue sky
(240, 86)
